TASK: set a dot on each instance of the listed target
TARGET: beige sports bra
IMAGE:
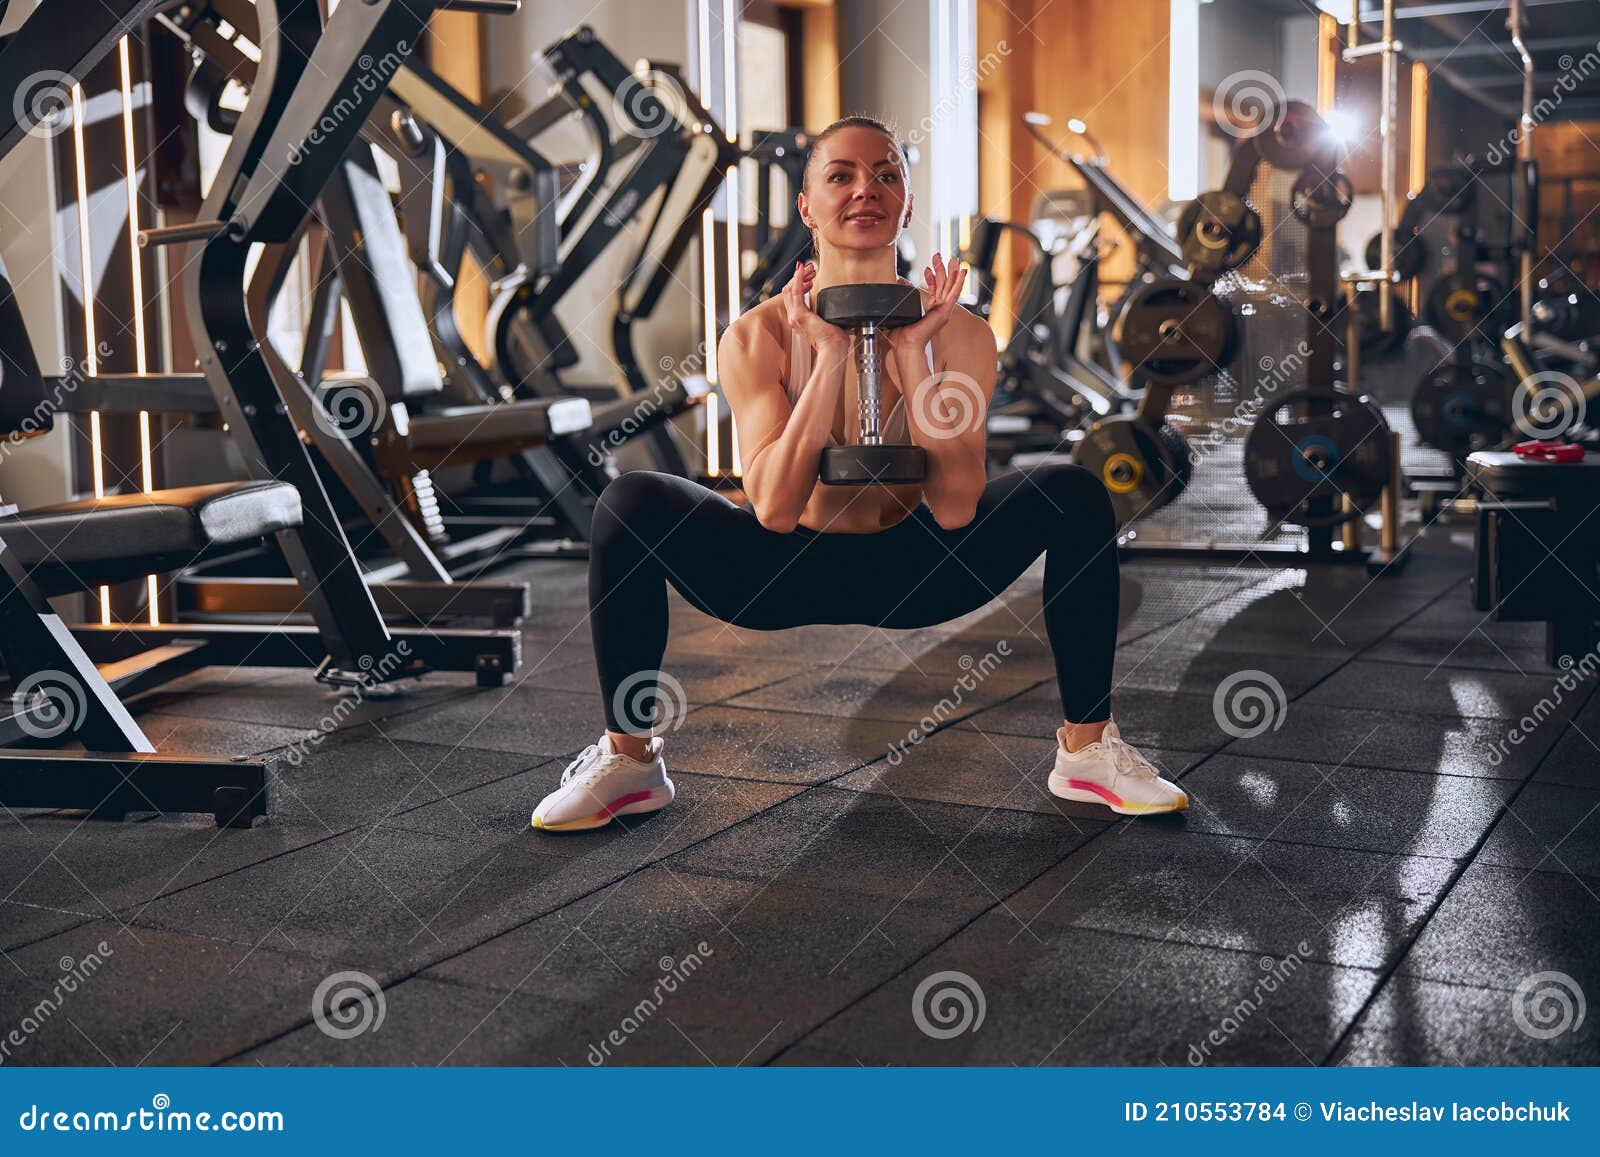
(895, 429)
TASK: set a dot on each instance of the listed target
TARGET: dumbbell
(865, 311)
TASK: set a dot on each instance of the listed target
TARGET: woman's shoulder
(764, 326)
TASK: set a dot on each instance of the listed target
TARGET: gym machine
(59, 693)
(280, 155)
(777, 152)
(672, 153)
(1537, 545)
(1316, 456)
(1045, 391)
(414, 585)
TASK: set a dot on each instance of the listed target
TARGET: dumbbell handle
(868, 387)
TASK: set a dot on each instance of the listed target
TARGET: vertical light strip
(1183, 102)
(942, 86)
(1327, 63)
(730, 106)
(708, 229)
(141, 353)
(1419, 126)
(86, 264)
(730, 116)
(713, 443)
(735, 278)
(708, 249)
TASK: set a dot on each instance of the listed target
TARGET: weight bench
(59, 695)
(1536, 554)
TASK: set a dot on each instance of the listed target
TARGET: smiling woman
(895, 556)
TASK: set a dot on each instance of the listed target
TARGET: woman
(889, 556)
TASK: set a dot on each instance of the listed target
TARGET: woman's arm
(782, 444)
(947, 414)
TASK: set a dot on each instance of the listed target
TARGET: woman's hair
(857, 121)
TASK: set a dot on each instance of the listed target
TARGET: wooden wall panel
(1107, 63)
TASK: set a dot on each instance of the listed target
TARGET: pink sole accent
(1104, 793)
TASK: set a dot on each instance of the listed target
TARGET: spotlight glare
(1342, 126)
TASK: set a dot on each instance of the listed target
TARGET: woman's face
(856, 195)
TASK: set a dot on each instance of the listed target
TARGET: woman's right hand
(823, 338)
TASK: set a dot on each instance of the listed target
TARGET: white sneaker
(1111, 771)
(602, 783)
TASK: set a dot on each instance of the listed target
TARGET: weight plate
(1144, 466)
(1459, 304)
(1462, 408)
(1217, 232)
(1174, 332)
(853, 464)
(1410, 254)
(886, 304)
(1311, 448)
(1450, 190)
(1321, 199)
(1376, 343)
(1298, 138)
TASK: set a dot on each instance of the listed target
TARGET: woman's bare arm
(948, 416)
(782, 445)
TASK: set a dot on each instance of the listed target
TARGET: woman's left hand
(943, 282)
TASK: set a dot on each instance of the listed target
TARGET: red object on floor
(1550, 451)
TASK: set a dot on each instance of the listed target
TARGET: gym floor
(1365, 883)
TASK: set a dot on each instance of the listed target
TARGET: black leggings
(651, 529)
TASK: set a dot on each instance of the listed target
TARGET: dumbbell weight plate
(1459, 304)
(1376, 343)
(1298, 138)
(1321, 199)
(1217, 231)
(1174, 332)
(1449, 190)
(1462, 408)
(1143, 466)
(886, 305)
(1317, 446)
(1410, 256)
(888, 465)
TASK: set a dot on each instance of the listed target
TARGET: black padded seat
(74, 545)
(460, 435)
(538, 420)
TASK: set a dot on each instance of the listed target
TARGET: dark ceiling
(1467, 44)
